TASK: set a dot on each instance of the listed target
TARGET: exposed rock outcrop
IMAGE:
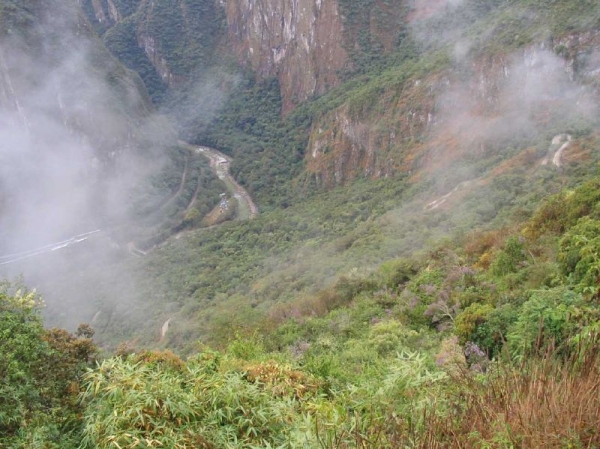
(151, 46)
(351, 142)
(299, 41)
(430, 122)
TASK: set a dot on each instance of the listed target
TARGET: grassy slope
(377, 360)
(304, 240)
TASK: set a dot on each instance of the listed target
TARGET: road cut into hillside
(56, 246)
(220, 164)
(558, 146)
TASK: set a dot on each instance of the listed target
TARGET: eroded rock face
(346, 144)
(99, 11)
(106, 12)
(426, 124)
(298, 41)
(169, 32)
(305, 44)
(152, 48)
(113, 11)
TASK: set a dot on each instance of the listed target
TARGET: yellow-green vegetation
(40, 375)
(447, 349)
(350, 317)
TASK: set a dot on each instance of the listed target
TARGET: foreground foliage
(39, 375)
(490, 343)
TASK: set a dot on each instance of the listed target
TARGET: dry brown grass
(544, 403)
(479, 242)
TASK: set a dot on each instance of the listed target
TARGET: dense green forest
(452, 302)
(445, 349)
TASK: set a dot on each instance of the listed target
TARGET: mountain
(357, 223)
(86, 159)
(365, 131)
(361, 134)
(71, 106)
(372, 89)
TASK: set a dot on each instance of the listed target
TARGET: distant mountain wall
(402, 85)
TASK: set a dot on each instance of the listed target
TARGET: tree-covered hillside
(429, 139)
(424, 267)
(447, 349)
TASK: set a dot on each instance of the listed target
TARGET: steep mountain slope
(443, 124)
(167, 43)
(470, 96)
(402, 74)
(85, 119)
(308, 45)
(376, 135)
(86, 161)
(425, 267)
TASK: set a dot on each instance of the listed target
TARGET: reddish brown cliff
(298, 41)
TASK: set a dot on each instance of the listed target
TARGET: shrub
(507, 261)
(39, 375)
(548, 319)
(579, 255)
(468, 321)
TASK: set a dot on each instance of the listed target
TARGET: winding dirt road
(184, 176)
(220, 165)
(558, 146)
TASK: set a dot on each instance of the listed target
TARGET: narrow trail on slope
(441, 200)
(135, 251)
(164, 329)
(558, 146)
(181, 185)
(194, 196)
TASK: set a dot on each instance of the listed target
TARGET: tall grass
(544, 402)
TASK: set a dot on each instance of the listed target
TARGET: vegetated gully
(219, 164)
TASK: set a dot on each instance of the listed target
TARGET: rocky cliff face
(106, 12)
(178, 37)
(407, 119)
(299, 41)
(459, 113)
(154, 52)
(310, 44)
(349, 143)
(306, 44)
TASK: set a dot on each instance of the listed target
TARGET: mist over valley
(306, 223)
